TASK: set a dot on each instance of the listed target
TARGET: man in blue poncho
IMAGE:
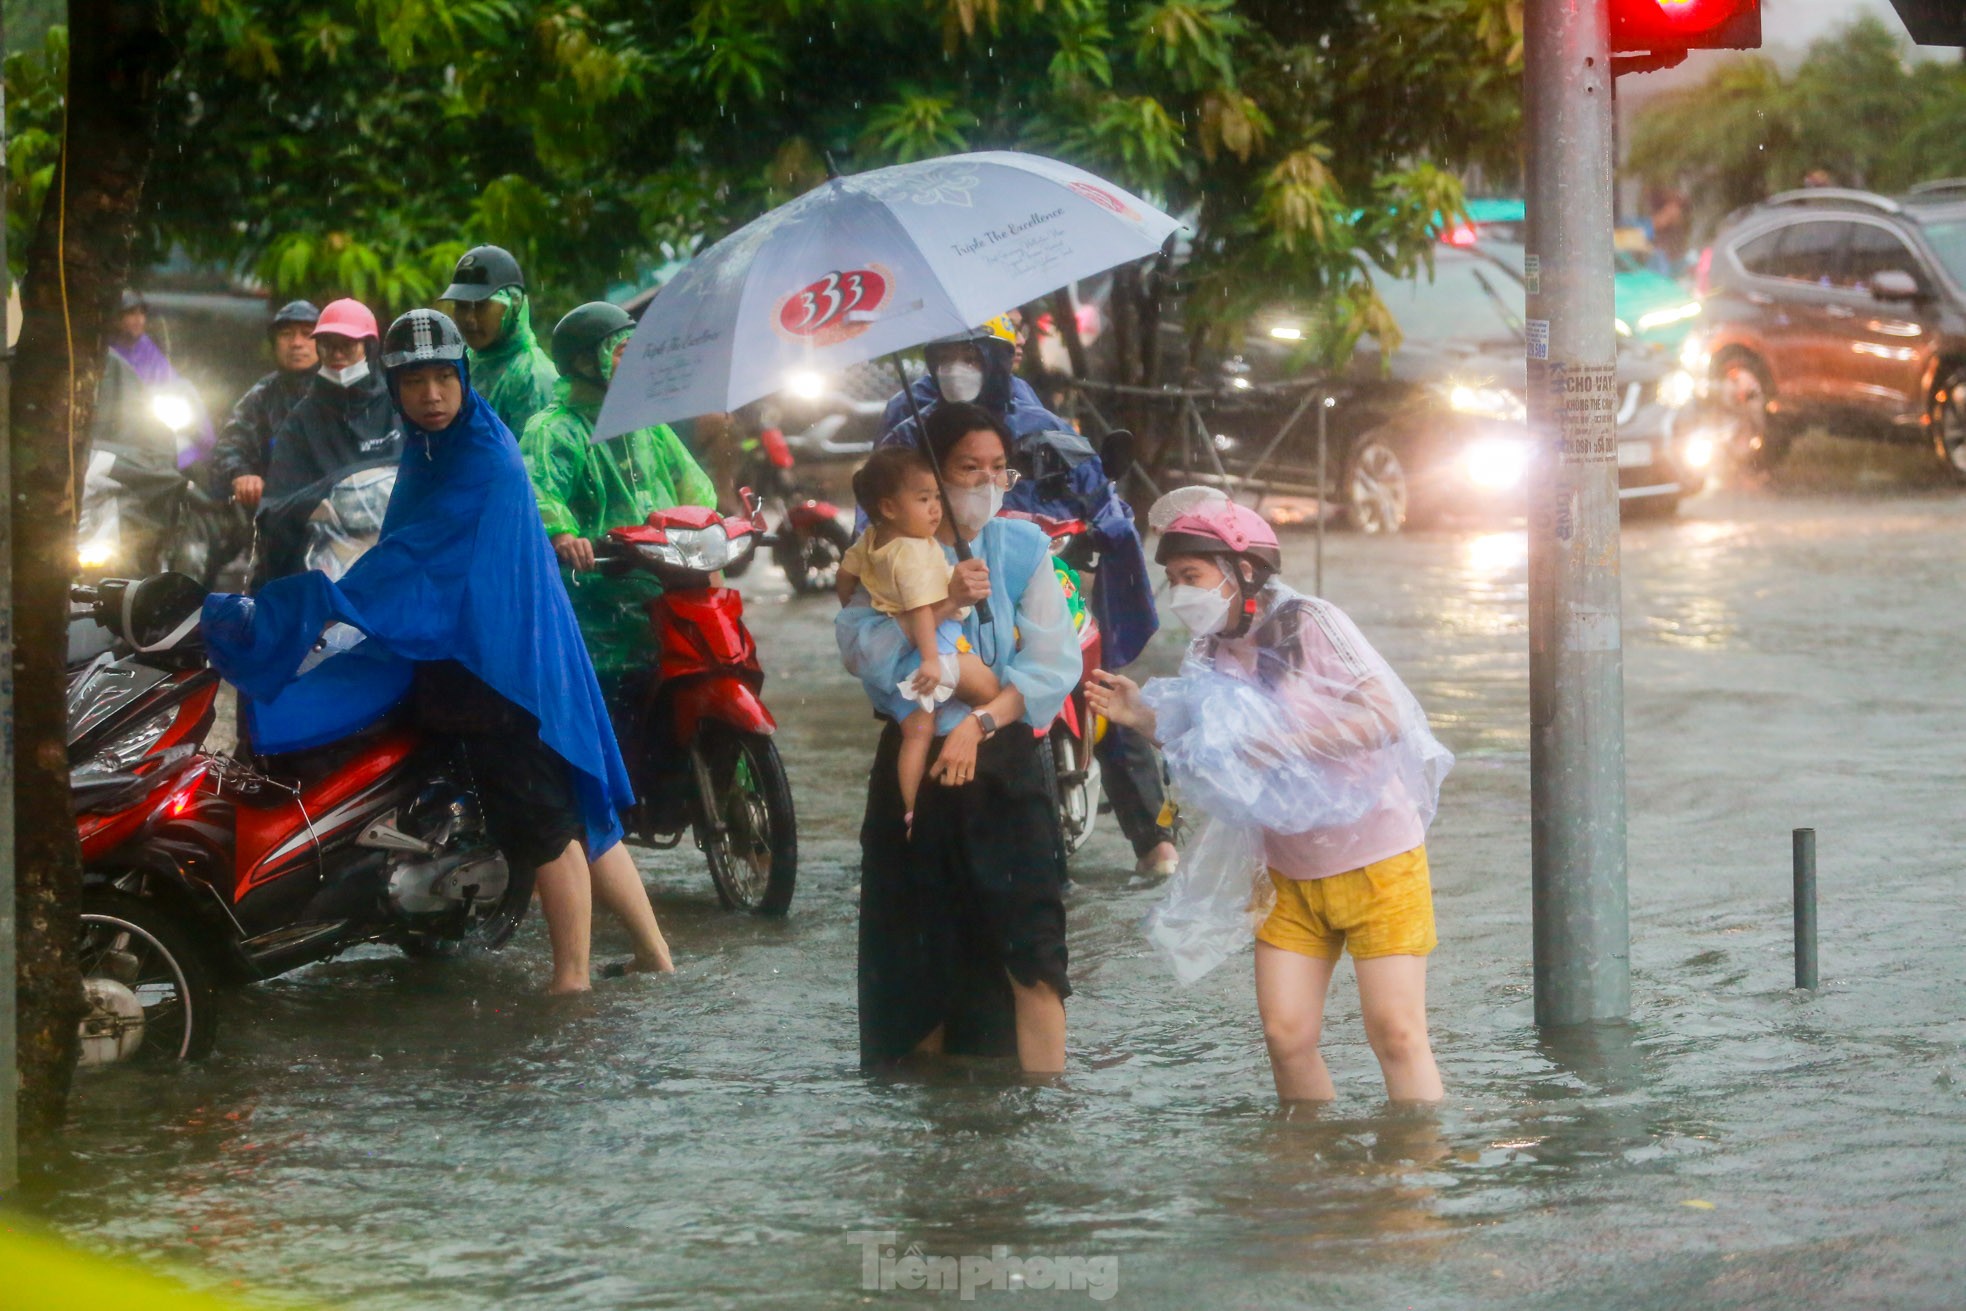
(463, 582)
(978, 367)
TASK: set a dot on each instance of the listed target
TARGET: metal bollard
(1805, 908)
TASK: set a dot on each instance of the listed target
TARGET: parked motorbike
(199, 869)
(810, 541)
(698, 739)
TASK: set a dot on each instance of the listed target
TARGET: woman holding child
(962, 918)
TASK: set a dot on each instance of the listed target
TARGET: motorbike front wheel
(811, 561)
(744, 820)
(151, 994)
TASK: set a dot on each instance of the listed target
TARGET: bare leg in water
(568, 887)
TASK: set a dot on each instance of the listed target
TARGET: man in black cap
(487, 299)
(245, 446)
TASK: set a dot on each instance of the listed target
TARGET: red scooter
(698, 739)
(200, 869)
(810, 541)
(1071, 768)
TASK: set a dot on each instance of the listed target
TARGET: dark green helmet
(578, 337)
(482, 272)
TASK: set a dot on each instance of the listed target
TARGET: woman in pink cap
(344, 423)
(1319, 775)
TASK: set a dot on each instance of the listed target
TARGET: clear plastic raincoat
(1302, 747)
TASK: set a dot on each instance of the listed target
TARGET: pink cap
(347, 318)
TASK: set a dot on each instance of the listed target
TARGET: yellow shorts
(1384, 909)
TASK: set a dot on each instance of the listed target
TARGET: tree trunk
(77, 264)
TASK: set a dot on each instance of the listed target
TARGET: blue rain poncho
(1302, 747)
(462, 571)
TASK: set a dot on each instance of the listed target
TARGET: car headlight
(1661, 318)
(704, 549)
(172, 410)
(1488, 402)
(95, 554)
(1496, 463)
(805, 384)
(1697, 452)
(1676, 389)
(1693, 355)
(1287, 332)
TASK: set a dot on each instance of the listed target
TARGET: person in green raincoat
(585, 488)
(488, 303)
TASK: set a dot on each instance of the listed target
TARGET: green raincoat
(515, 376)
(587, 488)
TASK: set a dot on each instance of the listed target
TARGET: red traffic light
(1658, 26)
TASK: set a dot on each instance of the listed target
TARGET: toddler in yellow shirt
(901, 564)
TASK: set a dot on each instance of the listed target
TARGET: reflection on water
(387, 1133)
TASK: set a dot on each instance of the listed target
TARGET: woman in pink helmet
(1319, 776)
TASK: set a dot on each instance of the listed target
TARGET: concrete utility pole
(1576, 663)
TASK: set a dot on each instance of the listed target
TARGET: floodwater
(378, 1132)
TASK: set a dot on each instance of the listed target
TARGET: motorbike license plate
(1634, 455)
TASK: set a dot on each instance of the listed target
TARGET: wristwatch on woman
(985, 721)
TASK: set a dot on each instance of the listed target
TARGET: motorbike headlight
(1488, 402)
(805, 384)
(173, 410)
(1698, 452)
(1671, 314)
(1622, 328)
(704, 549)
(95, 554)
(1497, 464)
(128, 749)
(1676, 389)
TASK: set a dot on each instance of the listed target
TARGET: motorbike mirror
(754, 506)
(1116, 452)
(1894, 284)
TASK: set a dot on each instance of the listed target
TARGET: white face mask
(1204, 611)
(975, 506)
(347, 377)
(959, 382)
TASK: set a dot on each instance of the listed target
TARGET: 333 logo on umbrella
(837, 307)
(1104, 199)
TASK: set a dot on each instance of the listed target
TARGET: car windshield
(1949, 243)
(1456, 306)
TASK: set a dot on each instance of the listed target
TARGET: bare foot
(569, 988)
(1163, 860)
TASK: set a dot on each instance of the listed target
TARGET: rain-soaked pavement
(381, 1132)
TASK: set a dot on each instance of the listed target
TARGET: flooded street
(383, 1132)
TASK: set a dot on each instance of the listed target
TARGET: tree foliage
(358, 145)
(1855, 108)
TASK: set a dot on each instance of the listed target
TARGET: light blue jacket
(1032, 643)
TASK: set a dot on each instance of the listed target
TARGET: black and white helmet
(421, 337)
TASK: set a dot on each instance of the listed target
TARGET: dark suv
(1840, 308)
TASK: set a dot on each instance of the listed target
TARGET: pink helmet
(1212, 524)
(347, 318)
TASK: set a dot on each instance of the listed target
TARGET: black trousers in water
(975, 899)
(1130, 772)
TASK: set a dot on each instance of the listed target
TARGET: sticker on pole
(1539, 339)
(1532, 274)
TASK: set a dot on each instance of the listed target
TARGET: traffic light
(1662, 26)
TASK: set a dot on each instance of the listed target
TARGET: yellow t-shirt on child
(905, 574)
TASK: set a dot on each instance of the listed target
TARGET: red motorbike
(200, 869)
(1071, 769)
(697, 737)
(810, 541)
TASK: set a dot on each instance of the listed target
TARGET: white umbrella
(867, 265)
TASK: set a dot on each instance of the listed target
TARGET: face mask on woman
(959, 382)
(975, 506)
(347, 377)
(1204, 611)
